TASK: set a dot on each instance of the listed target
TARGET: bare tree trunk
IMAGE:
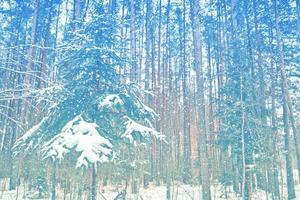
(31, 52)
(133, 69)
(204, 161)
(285, 91)
(298, 17)
(148, 44)
(186, 119)
(77, 14)
(275, 175)
(244, 195)
(53, 191)
(288, 159)
(94, 183)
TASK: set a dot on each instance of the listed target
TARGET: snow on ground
(182, 192)
(178, 192)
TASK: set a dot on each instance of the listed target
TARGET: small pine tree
(93, 111)
(91, 92)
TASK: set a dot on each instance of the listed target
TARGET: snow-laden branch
(30, 140)
(81, 138)
(137, 132)
(110, 101)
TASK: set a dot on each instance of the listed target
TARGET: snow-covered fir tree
(93, 111)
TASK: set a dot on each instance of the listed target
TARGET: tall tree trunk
(186, 119)
(288, 159)
(204, 161)
(77, 13)
(275, 186)
(261, 93)
(285, 92)
(133, 67)
(53, 190)
(31, 54)
(298, 17)
(245, 194)
(148, 44)
(94, 183)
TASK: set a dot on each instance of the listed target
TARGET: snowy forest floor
(178, 192)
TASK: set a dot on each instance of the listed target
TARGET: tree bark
(298, 17)
(285, 92)
(275, 175)
(94, 183)
(31, 52)
(53, 191)
(133, 67)
(186, 119)
(286, 112)
(204, 161)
